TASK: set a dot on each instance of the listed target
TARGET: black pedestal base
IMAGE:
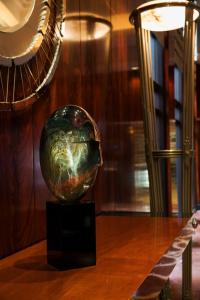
(71, 236)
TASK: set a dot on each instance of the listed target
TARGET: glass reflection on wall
(175, 166)
(176, 141)
(85, 27)
(140, 170)
(85, 21)
(99, 77)
(125, 165)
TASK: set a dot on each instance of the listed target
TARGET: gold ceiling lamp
(161, 15)
(85, 27)
(14, 15)
(30, 39)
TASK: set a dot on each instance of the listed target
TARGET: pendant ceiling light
(85, 27)
(162, 15)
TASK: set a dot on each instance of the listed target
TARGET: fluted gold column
(147, 90)
(188, 114)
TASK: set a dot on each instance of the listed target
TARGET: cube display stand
(71, 235)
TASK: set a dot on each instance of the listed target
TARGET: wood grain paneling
(6, 185)
(97, 76)
(22, 150)
(16, 181)
(41, 111)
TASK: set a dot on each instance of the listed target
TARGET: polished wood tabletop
(127, 249)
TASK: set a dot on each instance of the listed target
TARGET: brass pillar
(153, 153)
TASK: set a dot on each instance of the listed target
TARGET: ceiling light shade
(14, 14)
(85, 27)
(162, 15)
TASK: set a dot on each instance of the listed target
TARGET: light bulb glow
(15, 14)
(162, 15)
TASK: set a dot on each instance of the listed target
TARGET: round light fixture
(14, 14)
(162, 15)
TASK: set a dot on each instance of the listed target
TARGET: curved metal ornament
(29, 56)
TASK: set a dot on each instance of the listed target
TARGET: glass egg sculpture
(70, 153)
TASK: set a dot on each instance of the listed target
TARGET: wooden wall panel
(16, 181)
(66, 88)
(6, 186)
(41, 111)
(22, 141)
(97, 76)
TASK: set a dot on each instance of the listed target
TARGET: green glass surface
(70, 153)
